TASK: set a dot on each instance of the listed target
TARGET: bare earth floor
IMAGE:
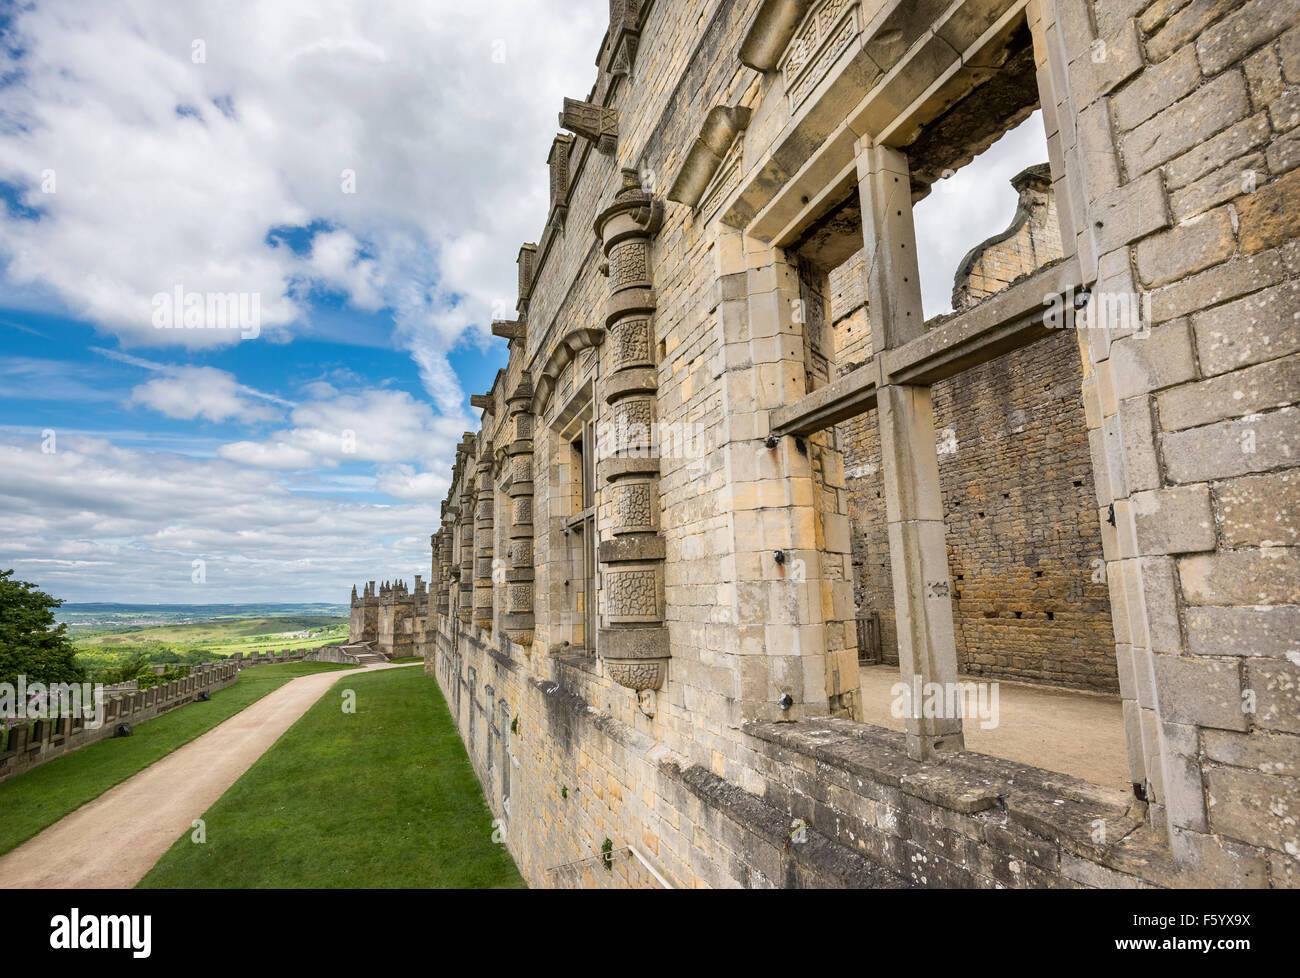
(111, 842)
(1062, 730)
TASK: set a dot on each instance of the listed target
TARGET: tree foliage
(31, 644)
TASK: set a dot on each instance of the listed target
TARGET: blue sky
(360, 176)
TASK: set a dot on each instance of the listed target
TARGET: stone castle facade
(730, 463)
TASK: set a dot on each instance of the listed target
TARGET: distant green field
(224, 632)
(205, 641)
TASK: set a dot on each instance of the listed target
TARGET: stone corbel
(526, 260)
(598, 124)
(624, 35)
(558, 161)
(722, 126)
(771, 31)
(509, 329)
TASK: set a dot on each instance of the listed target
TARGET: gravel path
(111, 842)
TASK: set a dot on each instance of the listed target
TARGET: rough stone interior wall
(1029, 601)
(1024, 548)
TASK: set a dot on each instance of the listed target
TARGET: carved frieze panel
(637, 674)
(629, 264)
(724, 182)
(826, 32)
(521, 598)
(632, 595)
(634, 507)
(523, 509)
(633, 425)
(522, 469)
(631, 343)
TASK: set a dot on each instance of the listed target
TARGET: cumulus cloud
(98, 522)
(166, 145)
(390, 154)
(971, 206)
(267, 455)
(403, 482)
(371, 426)
(202, 392)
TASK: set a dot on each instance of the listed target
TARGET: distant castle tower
(364, 626)
(391, 618)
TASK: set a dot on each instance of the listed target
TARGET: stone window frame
(574, 419)
(832, 163)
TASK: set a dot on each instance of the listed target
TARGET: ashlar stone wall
(713, 729)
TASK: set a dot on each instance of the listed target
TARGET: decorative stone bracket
(526, 261)
(558, 161)
(721, 127)
(512, 330)
(624, 35)
(598, 124)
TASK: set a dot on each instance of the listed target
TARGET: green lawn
(32, 801)
(384, 797)
(404, 659)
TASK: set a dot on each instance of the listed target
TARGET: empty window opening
(983, 206)
(981, 170)
(580, 528)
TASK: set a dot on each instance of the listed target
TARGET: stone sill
(579, 660)
(1061, 809)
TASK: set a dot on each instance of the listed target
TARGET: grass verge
(39, 798)
(383, 797)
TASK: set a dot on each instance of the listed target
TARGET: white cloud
(267, 455)
(201, 392)
(971, 206)
(97, 522)
(170, 172)
(370, 426)
(403, 482)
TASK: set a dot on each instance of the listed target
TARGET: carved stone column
(634, 640)
(465, 529)
(446, 560)
(484, 521)
(519, 621)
